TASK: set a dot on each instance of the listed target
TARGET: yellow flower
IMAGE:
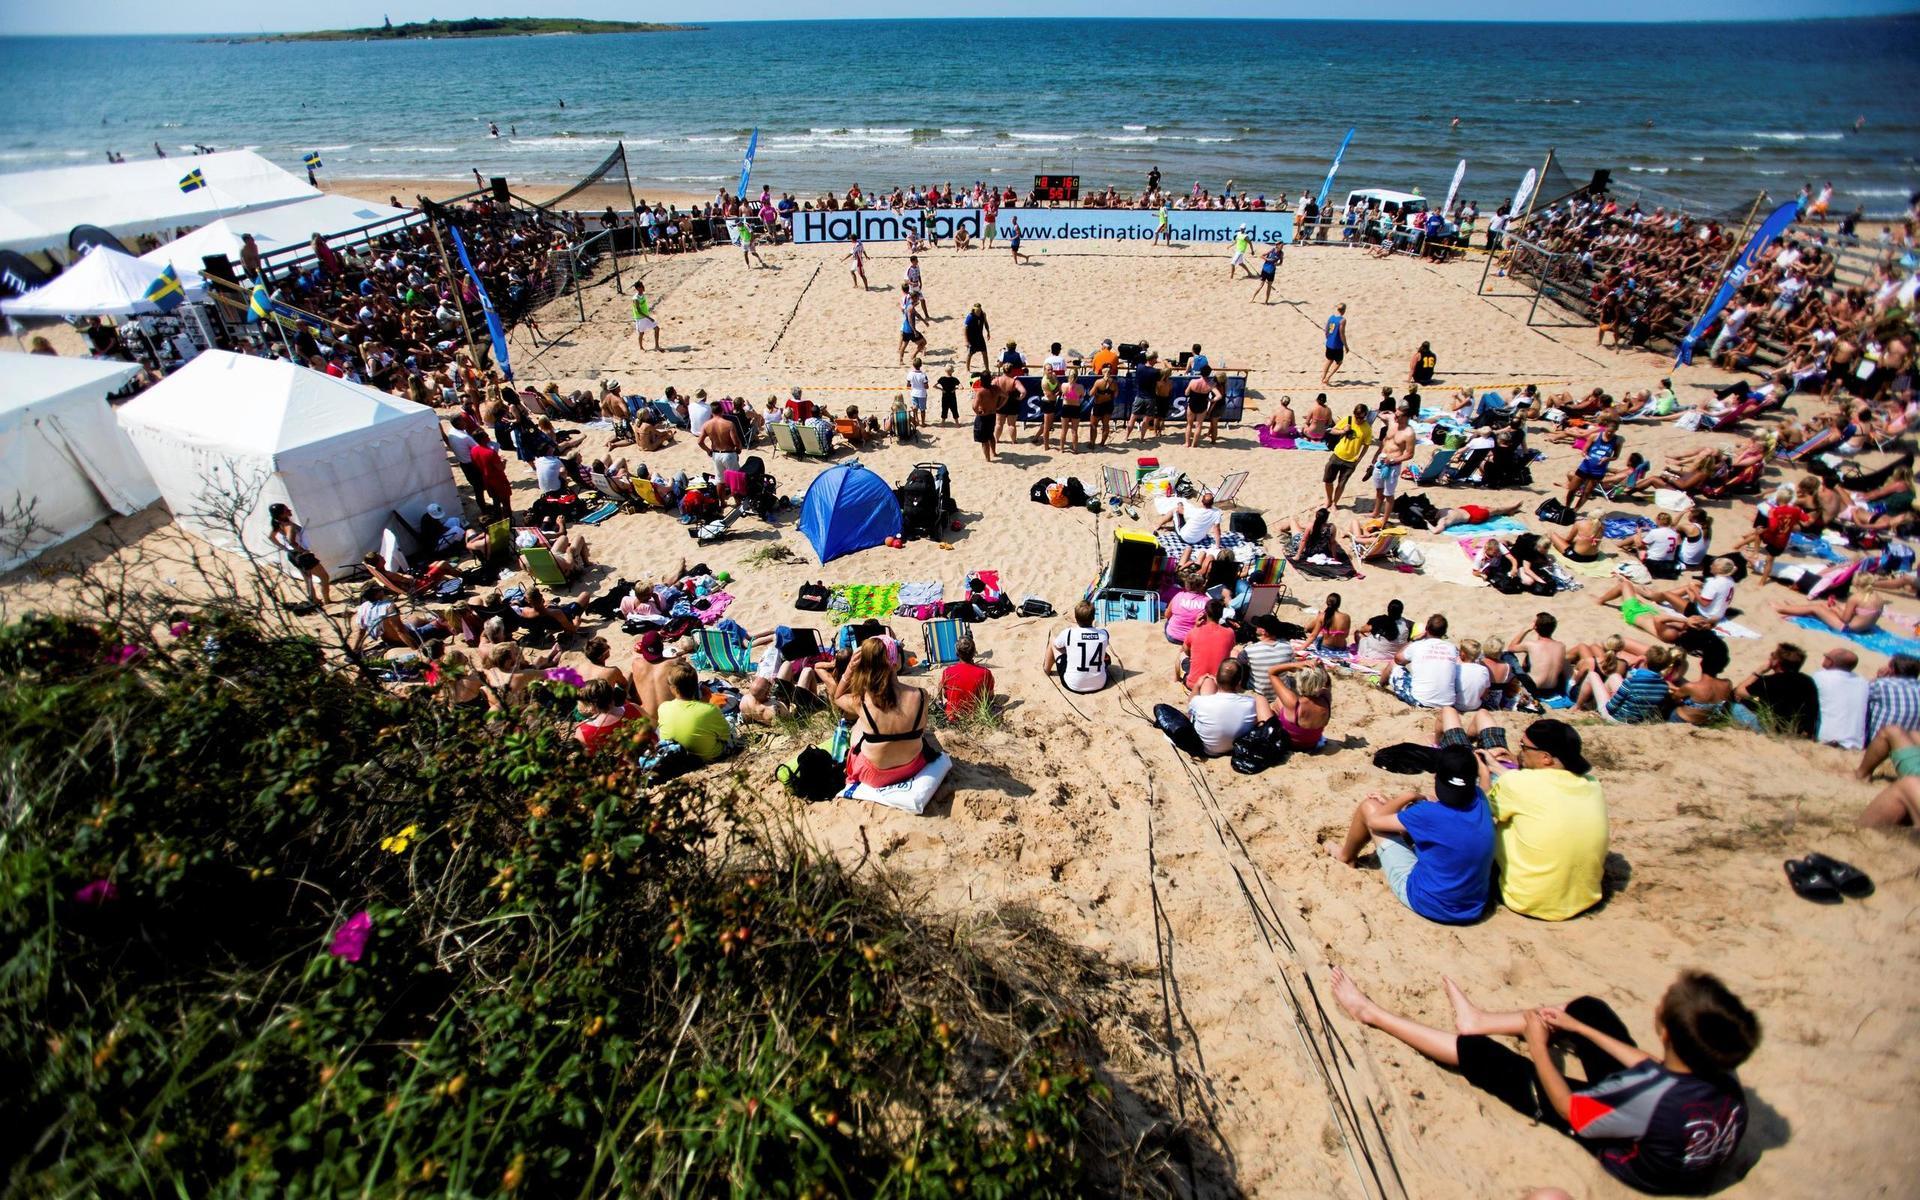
(398, 843)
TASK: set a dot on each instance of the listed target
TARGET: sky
(250, 16)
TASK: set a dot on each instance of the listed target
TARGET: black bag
(1406, 758)
(1034, 606)
(1076, 493)
(1179, 730)
(1249, 525)
(1554, 511)
(1038, 492)
(813, 597)
(1415, 511)
(814, 776)
(919, 500)
(1263, 746)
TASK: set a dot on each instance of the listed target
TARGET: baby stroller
(926, 501)
(762, 493)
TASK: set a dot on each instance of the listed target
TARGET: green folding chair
(786, 439)
(813, 442)
(540, 564)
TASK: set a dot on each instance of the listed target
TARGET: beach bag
(1038, 492)
(813, 776)
(1554, 511)
(813, 597)
(1415, 511)
(1034, 606)
(1406, 758)
(1076, 493)
(1263, 746)
(1057, 495)
(1249, 525)
(1179, 730)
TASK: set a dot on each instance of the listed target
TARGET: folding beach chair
(1118, 485)
(540, 564)
(942, 638)
(648, 493)
(500, 541)
(603, 485)
(1431, 473)
(786, 439)
(721, 652)
(1223, 496)
(813, 442)
(850, 635)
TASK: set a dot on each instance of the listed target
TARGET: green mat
(868, 601)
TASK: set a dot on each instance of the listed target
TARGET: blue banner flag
(193, 180)
(1770, 229)
(746, 164)
(494, 328)
(1334, 169)
(165, 293)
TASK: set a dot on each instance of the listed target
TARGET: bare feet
(1334, 852)
(1467, 1018)
(1351, 998)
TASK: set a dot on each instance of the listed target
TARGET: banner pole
(1746, 228)
(452, 281)
(1538, 188)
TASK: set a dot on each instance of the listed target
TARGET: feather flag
(165, 293)
(192, 181)
(746, 164)
(1334, 169)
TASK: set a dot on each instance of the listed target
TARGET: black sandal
(1811, 883)
(1851, 880)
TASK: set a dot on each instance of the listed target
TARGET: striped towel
(1170, 542)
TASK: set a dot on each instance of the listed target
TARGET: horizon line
(1906, 14)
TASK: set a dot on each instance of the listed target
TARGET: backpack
(1406, 758)
(1248, 524)
(1263, 746)
(813, 597)
(1554, 511)
(1038, 493)
(1034, 606)
(813, 776)
(1076, 493)
(1415, 511)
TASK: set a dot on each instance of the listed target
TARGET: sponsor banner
(1043, 225)
(1234, 384)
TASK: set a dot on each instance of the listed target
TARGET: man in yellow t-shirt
(1350, 439)
(697, 726)
(1550, 825)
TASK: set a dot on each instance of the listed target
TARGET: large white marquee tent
(273, 229)
(39, 208)
(105, 283)
(228, 435)
(66, 461)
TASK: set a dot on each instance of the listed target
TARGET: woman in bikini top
(888, 745)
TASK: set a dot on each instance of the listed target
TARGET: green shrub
(571, 983)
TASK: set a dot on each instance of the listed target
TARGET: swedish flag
(192, 181)
(165, 292)
(259, 305)
(313, 160)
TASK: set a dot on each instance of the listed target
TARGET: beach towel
(909, 795)
(1880, 641)
(1171, 544)
(866, 601)
(716, 607)
(1599, 568)
(1304, 444)
(1800, 543)
(1449, 561)
(1735, 629)
(602, 513)
(1623, 525)
(1274, 441)
(1497, 525)
(920, 592)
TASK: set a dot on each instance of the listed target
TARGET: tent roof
(848, 508)
(273, 229)
(260, 405)
(33, 379)
(39, 208)
(104, 283)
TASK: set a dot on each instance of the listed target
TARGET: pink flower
(350, 940)
(180, 628)
(120, 656)
(97, 894)
(566, 675)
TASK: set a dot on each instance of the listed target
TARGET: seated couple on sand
(1531, 820)
(1220, 710)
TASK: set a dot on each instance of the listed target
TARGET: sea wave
(724, 137)
(1043, 137)
(341, 146)
(563, 141)
(1649, 170)
(1801, 137)
(1139, 137)
(413, 149)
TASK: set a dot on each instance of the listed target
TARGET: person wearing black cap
(1437, 855)
(1550, 823)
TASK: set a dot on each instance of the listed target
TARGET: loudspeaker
(218, 266)
(1601, 179)
(500, 189)
(1131, 352)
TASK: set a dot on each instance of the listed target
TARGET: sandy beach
(1079, 810)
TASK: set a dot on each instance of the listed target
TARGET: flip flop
(1811, 883)
(1851, 880)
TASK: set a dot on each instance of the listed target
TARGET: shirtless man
(1396, 450)
(1012, 396)
(720, 438)
(986, 404)
(1472, 514)
(1545, 656)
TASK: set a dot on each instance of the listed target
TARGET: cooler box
(1144, 466)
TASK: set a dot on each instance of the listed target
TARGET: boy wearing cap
(1436, 855)
(1550, 823)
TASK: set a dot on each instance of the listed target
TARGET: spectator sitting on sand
(1549, 816)
(1660, 1124)
(1435, 854)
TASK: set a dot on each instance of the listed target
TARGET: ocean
(1705, 113)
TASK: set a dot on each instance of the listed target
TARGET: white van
(1389, 202)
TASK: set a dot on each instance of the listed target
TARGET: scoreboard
(1057, 187)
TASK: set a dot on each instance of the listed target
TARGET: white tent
(228, 435)
(67, 463)
(273, 229)
(105, 283)
(39, 208)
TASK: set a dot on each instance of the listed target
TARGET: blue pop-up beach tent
(848, 508)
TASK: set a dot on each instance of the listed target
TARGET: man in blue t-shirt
(1437, 855)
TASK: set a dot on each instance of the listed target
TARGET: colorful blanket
(1274, 441)
(717, 603)
(1599, 568)
(866, 601)
(1623, 525)
(1496, 525)
(1800, 543)
(1171, 544)
(1880, 641)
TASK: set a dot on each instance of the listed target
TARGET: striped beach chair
(942, 637)
(722, 653)
(1229, 489)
